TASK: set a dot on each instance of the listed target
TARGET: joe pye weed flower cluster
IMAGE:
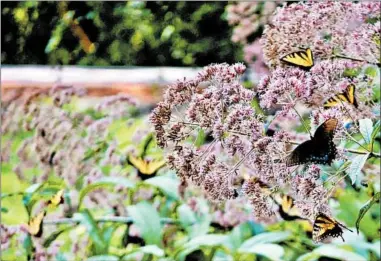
(344, 39)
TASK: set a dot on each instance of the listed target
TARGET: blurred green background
(123, 33)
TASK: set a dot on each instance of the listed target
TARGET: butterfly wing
(324, 151)
(303, 59)
(301, 154)
(320, 149)
(154, 166)
(57, 199)
(324, 226)
(35, 225)
(146, 169)
(347, 96)
(350, 94)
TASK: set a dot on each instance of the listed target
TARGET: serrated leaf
(366, 129)
(365, 209)
(356, 166)
(86, 219)
(271, 251)
(147, 220)
(169, 186)
(104, 183)
(103, 258)
(269, 237)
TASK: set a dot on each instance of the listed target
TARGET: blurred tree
(117, 33)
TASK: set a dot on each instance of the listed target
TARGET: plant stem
(104, 219)
(355, 59)
(303, 122)
(371, 154)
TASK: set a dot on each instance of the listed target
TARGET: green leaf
(27, 244)
(28, 196)
(186, 216)
(206, 240)
(371, 71)
(168, 185)
(147, 220)
(238, 235)
(53, 236)
(375, 132)
(103, 183)
(107, 233)
(87, 220)
(365, 209)
(271, 251)
(152, 249)
(337, 253)
(356, 166)
(4, 210)
(103, 258)
(269, 237)
(366, 129)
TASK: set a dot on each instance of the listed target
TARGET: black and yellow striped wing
(325, 226)
(287, 209)
(56, 199)
(303, 59)
(347, 96)
(35, 224)
(146, 168)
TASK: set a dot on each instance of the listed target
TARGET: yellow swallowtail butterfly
(287, 209)
(347, 96)
(303, 59)
(35, 224)
(146, 169)
(325, 226)
(56, 199)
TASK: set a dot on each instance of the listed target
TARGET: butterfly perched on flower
(302, 59)
(146, 168)
(287, 209)
(325, 226)
(56, 199)
(35, 224)
(347, 96)
(320, 149)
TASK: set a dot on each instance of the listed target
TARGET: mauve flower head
(325, 27)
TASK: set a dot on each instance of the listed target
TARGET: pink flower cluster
(217, 104)
(331, 30)
(328, 28)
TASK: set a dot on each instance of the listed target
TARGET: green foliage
(123, 33)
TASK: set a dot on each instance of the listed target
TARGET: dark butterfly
(324, 227)
(303, 59)
(320, 149)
